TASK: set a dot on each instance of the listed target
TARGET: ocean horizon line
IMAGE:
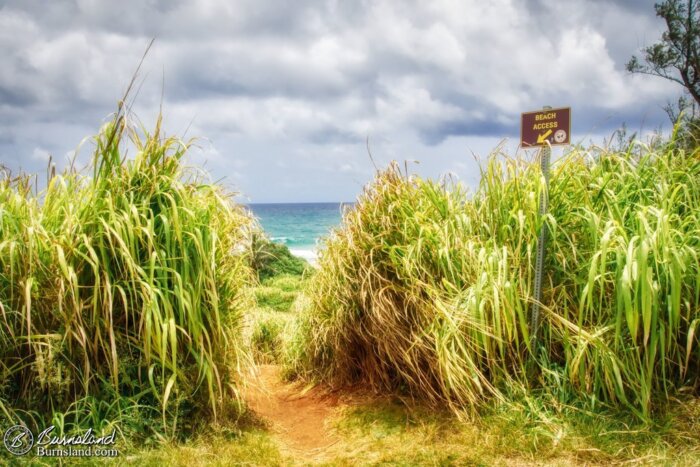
(277, 203)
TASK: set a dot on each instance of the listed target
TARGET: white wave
(309, 255)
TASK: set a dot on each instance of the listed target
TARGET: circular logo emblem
(560, 136)
(18, 440)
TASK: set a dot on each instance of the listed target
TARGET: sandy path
(299, 419)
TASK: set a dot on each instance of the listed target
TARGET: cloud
(41, 155)
(306, 82)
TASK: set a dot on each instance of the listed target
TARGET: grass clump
(270, 259)
(274, 298)
(125, 285)
(278, 301)
(287, 282)
(267, 339)
(427, 290)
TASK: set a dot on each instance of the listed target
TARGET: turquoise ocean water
(298, 225)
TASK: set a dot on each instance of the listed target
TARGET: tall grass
(124, 283)
(427, 289)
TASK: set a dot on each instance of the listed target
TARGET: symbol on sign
(543, 137)
(560, 136)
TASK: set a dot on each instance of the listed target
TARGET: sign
(542, 126)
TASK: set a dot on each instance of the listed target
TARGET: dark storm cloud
(16, 97)
(640, 6)
(169, 19)
(434, 136)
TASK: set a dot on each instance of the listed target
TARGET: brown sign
(542, 126)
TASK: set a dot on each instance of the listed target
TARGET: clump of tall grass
(428, 289)
(267, 335)
(126, 282)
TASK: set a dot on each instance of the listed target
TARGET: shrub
(271, 259)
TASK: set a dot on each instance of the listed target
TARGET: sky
(284, 98)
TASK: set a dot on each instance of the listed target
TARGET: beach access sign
(542, 126)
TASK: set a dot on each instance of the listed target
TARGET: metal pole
(545, 155)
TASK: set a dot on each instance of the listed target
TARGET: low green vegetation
(270, 259)
(267, 335)
(394, 432)
(278, 300)
(391, 431)
(247, 442)
(288, 283)
(426, 291)
(251, 445)
(274, 298)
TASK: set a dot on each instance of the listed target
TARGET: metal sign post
(545, 155)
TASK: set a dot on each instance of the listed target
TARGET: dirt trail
(300, 419)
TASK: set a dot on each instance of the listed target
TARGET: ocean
(298, 225)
